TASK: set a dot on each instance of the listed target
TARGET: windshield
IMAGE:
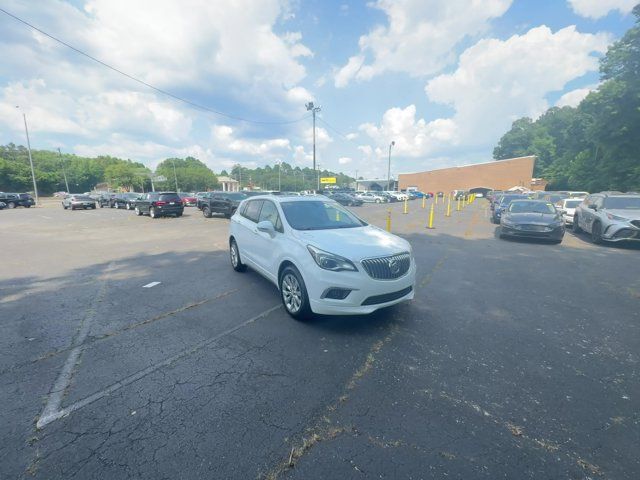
(319, 215)
(508, 200)
(82, 197)
(572, 203)
(531, 207)
(622, 203)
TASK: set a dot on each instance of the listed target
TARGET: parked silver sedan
(81, 201)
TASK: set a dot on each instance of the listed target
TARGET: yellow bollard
(424, 201)
(406, 206)
(389, 220)
(458, 206)
(430, 225)
(449, 206)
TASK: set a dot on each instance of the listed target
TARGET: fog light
(336, 293)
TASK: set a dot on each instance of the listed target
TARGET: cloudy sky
(444, 79)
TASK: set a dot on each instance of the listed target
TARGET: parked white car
(567, 208)
(322, 257)
(401, 197)
(370, 197)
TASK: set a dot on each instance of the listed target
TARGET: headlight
(330, 261)
(611, 216)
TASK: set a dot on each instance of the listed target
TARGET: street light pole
(279, 163)
(314, 110)
(64, 173)
(175, 177)
(389, 165)
(33, 173)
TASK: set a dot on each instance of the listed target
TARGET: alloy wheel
(291, 293)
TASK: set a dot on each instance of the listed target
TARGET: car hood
(631, 214)
(531, 218)
(355, 243)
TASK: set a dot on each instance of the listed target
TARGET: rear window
(169, 197)
(82, 197)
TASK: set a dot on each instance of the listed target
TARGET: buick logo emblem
(394, 266)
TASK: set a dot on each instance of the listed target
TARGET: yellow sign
(327, 179)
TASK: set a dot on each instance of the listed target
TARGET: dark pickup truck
(12, 200)
(221, 202)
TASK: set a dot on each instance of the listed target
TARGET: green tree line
(284, 177)
(596, 145)
(84, 173)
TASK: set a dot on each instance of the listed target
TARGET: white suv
(321, 256)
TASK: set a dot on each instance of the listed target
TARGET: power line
(148, 85)
(336, 131)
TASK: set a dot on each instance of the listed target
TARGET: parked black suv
(13, 200)
(159, 204)
(221, 202)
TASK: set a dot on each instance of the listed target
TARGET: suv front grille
(388, 268)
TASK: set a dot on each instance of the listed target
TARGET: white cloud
(351, 136)
(323, 139)
(413, 138)
(420, 37)
(225, 140)
(499, 81)
(574, 97)
(600, 8)
(344, 160)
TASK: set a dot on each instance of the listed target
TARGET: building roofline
(471, 165)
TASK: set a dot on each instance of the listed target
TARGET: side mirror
(267, 227)
(593, 207)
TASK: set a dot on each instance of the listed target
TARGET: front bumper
(568, 219)
(622, 232)
(556, 233)
(364, 290)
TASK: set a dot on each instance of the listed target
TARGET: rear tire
(64, 206)
(234, 255)
(576, 225)
(153, 213)
(11, 205)
(138, 212)
(27, 206)
(293, 293)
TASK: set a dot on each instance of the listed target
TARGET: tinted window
(572, 203)
(623, 203)
(252, 212)
(170, 197)
(519, 206)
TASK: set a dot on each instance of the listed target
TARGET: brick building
(495, 175)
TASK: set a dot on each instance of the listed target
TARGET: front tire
(234, 255)
(11, 205)
(206, 212)
(596, 233)
(293, 293)
(64, 206)
(138, 212)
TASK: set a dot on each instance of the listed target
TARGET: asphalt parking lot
(517, 359)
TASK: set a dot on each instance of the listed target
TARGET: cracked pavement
(515, 360)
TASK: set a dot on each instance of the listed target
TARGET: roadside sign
(328, 180)
(160, 178)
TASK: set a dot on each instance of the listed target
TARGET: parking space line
(53, 415)
(150, 285)
(66, 374)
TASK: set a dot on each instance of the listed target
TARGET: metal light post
(33, 173)
(64, 173)
(175, 177)
(314, 110)
(279, 163)
(389, 165)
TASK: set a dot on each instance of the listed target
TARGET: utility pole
(174, 174)
(279, 162)
(63, 170)
(389, 165)
(314, 110)
(33, 173)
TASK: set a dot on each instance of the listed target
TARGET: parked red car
(188, 199)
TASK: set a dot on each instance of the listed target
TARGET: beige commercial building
(495, 175)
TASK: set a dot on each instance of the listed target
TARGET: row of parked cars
(610, 216)
(13, 200)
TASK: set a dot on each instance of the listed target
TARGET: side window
(252, 212)
(269, 212)
(599, 201)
